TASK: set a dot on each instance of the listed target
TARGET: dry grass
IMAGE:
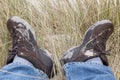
(60, 24)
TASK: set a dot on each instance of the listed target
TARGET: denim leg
(22, 60)
(87, 71)
(21, 69)
(96, 60)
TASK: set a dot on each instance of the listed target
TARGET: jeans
(88, 71)
(22, 69)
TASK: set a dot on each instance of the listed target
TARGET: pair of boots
(25, 45)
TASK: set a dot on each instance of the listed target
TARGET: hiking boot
(93, 44)
(25, 45)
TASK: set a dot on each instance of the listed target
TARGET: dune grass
(60, 25)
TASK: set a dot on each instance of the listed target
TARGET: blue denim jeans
(21, 69)
(88, 71)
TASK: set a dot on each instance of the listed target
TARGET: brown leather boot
(93, 44)
(25, 45)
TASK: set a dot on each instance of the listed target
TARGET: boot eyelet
(97, 41)
(21, 53)
(109, 29)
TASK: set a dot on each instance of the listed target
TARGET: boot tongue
(90, 53)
